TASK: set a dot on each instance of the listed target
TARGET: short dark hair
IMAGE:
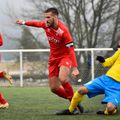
(53, 10)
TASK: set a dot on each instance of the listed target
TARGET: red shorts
(54, 66)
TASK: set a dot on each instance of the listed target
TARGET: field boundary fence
(25, 58)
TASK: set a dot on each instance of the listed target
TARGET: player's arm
(1, 40)
(109, 61)
(70, 46)
(33, 23)
(75, 71)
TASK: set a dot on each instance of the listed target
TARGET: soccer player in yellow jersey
(108, 84)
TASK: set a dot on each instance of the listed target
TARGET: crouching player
(3, 74)
(108, 84)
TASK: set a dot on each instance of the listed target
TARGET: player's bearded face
(49, 17)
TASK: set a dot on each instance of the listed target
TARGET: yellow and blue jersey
(108, 84)
(114, 62)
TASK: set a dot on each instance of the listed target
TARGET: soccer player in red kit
(62, 56)
(3, 74)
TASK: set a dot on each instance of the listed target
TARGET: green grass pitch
(38, 103)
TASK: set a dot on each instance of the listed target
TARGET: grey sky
(15, 4)
(5, 22)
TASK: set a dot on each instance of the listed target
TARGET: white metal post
(21, 69)
(92, 64)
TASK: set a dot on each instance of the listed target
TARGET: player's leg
(54, 83)
(110, 109)
(63, 77)
(1, 74)
(2, 99)
(112, 96)
(64, 71)
(77, 98)
(7, 76)
(3, 102)
(56, 87)
(91, 88)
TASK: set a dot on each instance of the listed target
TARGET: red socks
(61, 92)
(2, 100)
(68, 89)
(1, 74)
(65, 91)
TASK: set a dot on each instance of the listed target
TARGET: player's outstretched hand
(20, 22)
(100, 59)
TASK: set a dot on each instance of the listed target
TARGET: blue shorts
(105, 85)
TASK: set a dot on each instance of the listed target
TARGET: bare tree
(92, 23)
(25, 32)
(85, 18)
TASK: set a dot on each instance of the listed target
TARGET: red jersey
(1, 40)
(58, 40)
